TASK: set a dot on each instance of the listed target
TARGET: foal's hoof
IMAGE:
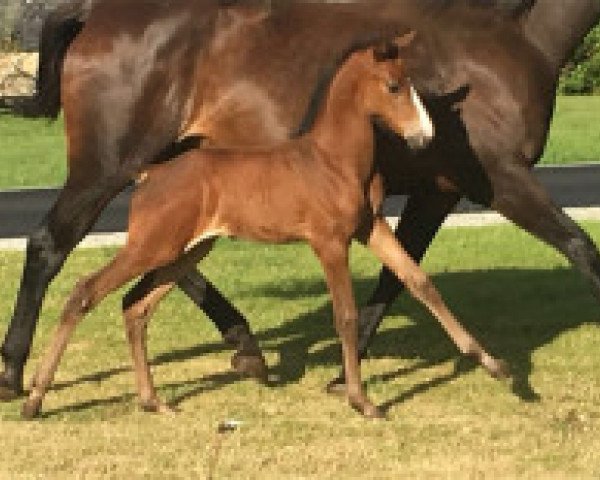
(336, 387)
(156, 406)
(8, 390)
(498, 369)
(368, 410)
(31, 408)
(372, 411)
(251, 365)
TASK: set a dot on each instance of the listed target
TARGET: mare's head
(388, 95)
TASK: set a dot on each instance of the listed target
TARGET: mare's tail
(60, 28)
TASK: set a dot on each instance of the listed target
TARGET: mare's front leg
(248, 359)
(385, 246)
(334, 258)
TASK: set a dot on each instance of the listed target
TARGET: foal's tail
(60, 28)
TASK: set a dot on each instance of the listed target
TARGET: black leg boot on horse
(248, 359)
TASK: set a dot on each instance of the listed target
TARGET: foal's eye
(393, 86)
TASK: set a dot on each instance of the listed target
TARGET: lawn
(32, 151)
(575, 132)
(447, 419)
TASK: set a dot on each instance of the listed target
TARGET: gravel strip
(456, 220)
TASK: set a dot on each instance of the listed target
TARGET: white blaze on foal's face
(424, 120)
(406, 114)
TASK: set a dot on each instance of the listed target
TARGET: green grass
(32, 152)
(575, 132)
(447, 419)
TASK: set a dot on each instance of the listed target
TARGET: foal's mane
(328, 73)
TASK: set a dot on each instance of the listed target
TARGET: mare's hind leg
(73, 214)
(391, 253)
(520, 197)
(86, 295)
(138, 306)
(334, 258)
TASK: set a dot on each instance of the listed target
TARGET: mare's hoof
(498, 369)
(336, 387)
(248, 360)
(8, 390)
(250, 365)
(31, 408)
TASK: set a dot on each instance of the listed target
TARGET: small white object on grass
(229, 426)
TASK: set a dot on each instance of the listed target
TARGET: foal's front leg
(334, 258)
(385, 246)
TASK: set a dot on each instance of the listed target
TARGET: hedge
(581, 76)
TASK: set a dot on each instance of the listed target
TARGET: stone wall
(17, 74)
(21, 21)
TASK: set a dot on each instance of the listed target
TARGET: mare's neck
(342, 130)
(557, 27)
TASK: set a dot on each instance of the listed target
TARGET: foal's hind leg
(391, 253)
(138, 306)
(86, 295)
(334, 258)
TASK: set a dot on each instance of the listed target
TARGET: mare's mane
(502, 6)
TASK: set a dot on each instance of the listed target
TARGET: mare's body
(241, 76)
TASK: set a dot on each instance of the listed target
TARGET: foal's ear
(386, 51)
(405, 40)
(391, 50)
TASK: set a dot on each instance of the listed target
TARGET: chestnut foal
(321, 187)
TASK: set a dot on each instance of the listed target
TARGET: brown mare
(321, 187)
(486, 69)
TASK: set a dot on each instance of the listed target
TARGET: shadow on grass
(193, 387)
(512, 312)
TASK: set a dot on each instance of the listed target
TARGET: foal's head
(387, 93)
